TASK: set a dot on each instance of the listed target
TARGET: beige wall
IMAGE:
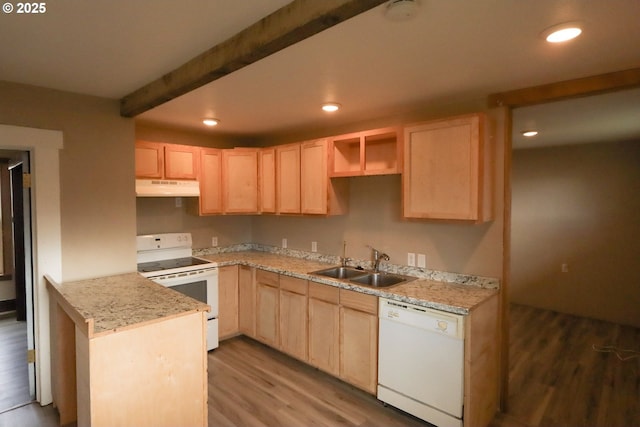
(578, 205)
(152, 132)
(160, 215)
(374, 219)
(96, 166)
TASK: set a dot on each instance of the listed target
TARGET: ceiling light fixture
(562, 32)
(210, 121)
(401, 10)
(530, 133)
(330, 107)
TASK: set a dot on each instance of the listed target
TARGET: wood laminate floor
(253, 385)
(14, 381)
(556, 379)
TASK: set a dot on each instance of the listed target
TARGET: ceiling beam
(567, 89)
(286, 26)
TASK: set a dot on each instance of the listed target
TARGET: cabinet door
(359, 348)
(267, 308)
(268, 180)
(149, 159)
(228, 301)
(288, 178)
(240, 180)
(293, 324)
(210, 181)
(247, 301)
(313, 177)
(442, 169)
(180, 161)
(324, 335)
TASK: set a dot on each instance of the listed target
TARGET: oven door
(203, 286)
(198, 284)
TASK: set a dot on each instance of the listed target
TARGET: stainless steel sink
(363, 277)
(380, 280)
(340, 272)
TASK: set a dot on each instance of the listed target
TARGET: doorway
(17, 376)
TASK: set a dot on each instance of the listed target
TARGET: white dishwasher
(421, 362)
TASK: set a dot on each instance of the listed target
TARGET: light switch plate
(411, 259)
(422, 260)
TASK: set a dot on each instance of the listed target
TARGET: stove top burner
(167, 264)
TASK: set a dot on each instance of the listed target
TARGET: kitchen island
(127, 352)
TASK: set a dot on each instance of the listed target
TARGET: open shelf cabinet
(372, 152)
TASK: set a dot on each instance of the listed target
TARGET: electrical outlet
(314, 246)
(214, 241)
(284, 243)
(411, 259)
(422, 260)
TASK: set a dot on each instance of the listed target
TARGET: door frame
(43, 147)
(575, 88)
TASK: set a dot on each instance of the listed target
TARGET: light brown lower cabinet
(228, 301)
(293, 317)
(247, 300)
(359, 339)
(267, 308)
(324, 328)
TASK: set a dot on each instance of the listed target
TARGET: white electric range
(166, 259)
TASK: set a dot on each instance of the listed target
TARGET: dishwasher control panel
(422, 317)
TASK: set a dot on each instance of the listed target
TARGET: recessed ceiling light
(529, 133)
(563, 32)
(210, 121)
(330, 107)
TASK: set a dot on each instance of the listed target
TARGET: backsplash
(422, 273)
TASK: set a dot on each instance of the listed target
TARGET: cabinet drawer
(293, 284)
(267, 278)
(324, 292)
(358, 301)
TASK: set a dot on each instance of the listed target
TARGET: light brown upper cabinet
(210, 200)
(288, 179)
(267, 180)
(447, 170)
(240, 180)
(371, 152)
(169, 161)
(319, 194)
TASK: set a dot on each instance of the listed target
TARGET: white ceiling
(452, 49)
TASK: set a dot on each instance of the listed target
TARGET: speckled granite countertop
(440, 295)
(109, 304)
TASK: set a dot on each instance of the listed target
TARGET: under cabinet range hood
(166, 188)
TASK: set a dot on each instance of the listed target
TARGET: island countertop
(109, 304)
(446, 296)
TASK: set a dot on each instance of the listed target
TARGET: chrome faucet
(343, 258)
(377, 257)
